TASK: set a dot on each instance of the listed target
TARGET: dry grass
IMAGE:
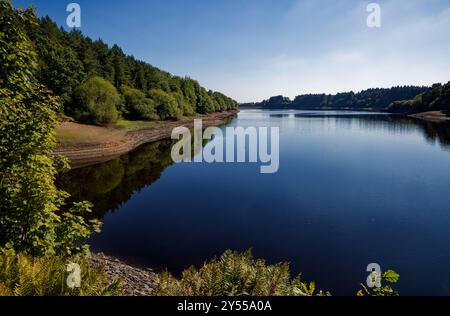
(74, 133)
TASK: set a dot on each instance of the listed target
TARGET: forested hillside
(98, 83)
(435, 99)
(372, 99)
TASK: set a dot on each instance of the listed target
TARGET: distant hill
(370, 100)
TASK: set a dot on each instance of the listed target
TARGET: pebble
(135, 281)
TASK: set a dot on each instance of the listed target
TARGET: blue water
(352, 189)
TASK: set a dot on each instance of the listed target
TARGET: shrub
(236, 274)
(183, 104)
(165, 104)
(205, 104)
(30, 217)
(95, 101)
(389, 276)
(22, 275)
(137, 106)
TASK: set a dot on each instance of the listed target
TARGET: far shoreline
(430, 116)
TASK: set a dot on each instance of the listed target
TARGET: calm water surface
(352, 189)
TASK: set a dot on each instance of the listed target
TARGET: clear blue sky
(253, 49)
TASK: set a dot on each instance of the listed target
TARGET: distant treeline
(401, 99)
(437, 98)
(98, 83)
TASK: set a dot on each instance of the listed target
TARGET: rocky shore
(136, 281)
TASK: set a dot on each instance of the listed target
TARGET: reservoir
(352, 189)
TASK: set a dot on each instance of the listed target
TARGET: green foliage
(30, 216)
(205, 104)
(236, 274)
(58, 65)
(165, 104)
(22, 275)
(224, 103)
(66, 59)
(132, 124)
(112, 183)
(389, 276)
(371, 99)
(182, 103)
(95, 101)
(435, 99)
(189, 88)
(121, 71)
(137, 106)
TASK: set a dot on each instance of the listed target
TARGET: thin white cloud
(412, 47)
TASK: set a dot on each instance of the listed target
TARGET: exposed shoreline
(92, 152)
(432, 116)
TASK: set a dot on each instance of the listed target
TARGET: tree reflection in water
(111, 184)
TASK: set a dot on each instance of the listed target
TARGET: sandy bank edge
(433, 116)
